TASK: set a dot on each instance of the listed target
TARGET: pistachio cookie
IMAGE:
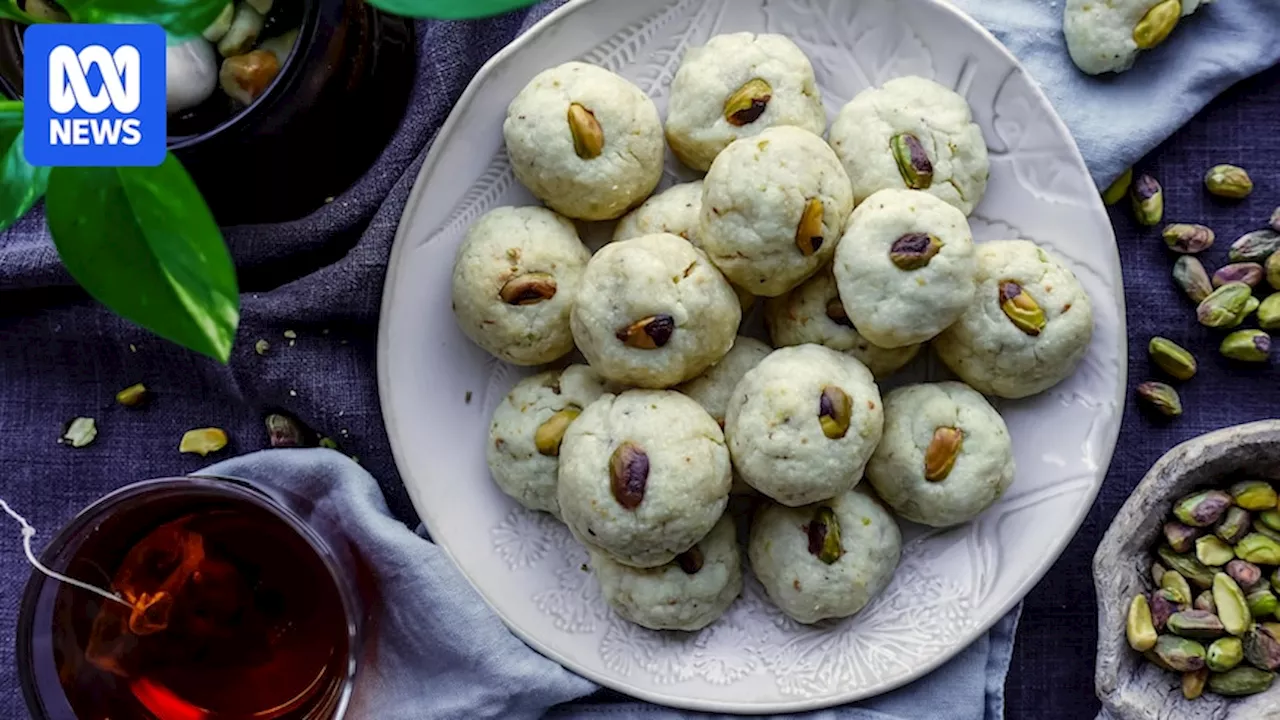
(826, 560)
(688, 593)
(905, 267)
(653, 312)
(514, 281)
(643, 476)
(945, 455)
(773, 207)
(813, 313)
(585, 141)
(802, 424)
(527, 429)
(736, 86)
(912, 133)
(1107, 36)
(675, 210)
(1029, 326)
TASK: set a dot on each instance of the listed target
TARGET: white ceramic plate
(438, 389)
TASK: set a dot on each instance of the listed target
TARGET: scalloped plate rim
(403, 244)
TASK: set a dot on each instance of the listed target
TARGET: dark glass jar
(321, 123)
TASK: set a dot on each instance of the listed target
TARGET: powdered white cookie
(912, 133)
(1029, 326)
(685, 594)
(1107, 36)
(802, 424)
(674, 210)
(643, 476)
(713, 388)
(585, 141)
(773, 207)
(813, 313)
(945, 455)
(826, 560)
(653, 312)
(905, 267)
(527, 429)
(515, 278)
(736, 86)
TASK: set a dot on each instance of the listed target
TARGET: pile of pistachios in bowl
(1224, 299)
(1211, 614)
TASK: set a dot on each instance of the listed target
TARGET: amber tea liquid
(231, 616)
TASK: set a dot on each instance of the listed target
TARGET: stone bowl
(1130, 687)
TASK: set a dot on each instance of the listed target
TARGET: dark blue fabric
(61, 356)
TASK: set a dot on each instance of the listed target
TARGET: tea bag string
(29, 532)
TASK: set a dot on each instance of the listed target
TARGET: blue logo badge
(94, 95)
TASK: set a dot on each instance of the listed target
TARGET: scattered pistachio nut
(1188, 238)
(1204, 601)
(835, 412)
(203, 441)
(940, 456)
(1157, 571)
(1262, 649)
(1233, 609)
(528, 289)
(1269, 312)
(1262, 602)
(1212, 551)
(648, 333)
(1234, 525)
(1248, 273)
(1264, 531)
(1156, 25)
(1164, 603)
(1021, 309)
(1179, 654)
(1161, 398)
(1190, 276)
(1193, 683)
(1272, 270)
(284, 431)
(1225, 307)
(1148, 200)
(1177, 585)
(837, 313)
(1228, 181)
(690, 561)
(914, 250)
(1245, 573)
(1250, 306)
(261, 347)
(1254, 495)
(1270, 518)
(1258, 549)
(1196, 625)
(1255, 246)
(1139, 629)
(1172, 358)
(132, 396)
(246, 25)
(328, 443)
(746, 104)
(80, 432)
(1224, 654)
(1117, 190)
(588, 136)
(221, 24)
(1181, 538)
(1202, 509)
(1243, 680)
(824, 535)
(550, 433)
(913, 161)
(1188, 566)
(629, 474)
(809, 232)
(1247, 346)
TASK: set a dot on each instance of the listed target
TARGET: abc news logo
(94, 95)
(121, 89)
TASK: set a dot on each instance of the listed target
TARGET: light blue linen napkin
(436, 651)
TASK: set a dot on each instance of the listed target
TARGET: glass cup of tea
(236, 601)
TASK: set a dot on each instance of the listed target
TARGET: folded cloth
(61, 356)
(436, 651)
